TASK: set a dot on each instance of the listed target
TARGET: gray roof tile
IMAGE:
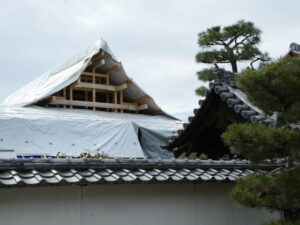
(16, 173)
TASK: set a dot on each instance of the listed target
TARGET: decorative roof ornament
(294, 49)
(225, 76)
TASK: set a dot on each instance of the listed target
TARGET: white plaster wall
(132, 204)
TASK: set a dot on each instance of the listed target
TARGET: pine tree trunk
(234, 66)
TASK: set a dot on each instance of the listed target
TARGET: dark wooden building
(224, 104)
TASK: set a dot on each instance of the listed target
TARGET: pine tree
(274, 89)
(230, 44)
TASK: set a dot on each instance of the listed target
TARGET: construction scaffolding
(94, 90)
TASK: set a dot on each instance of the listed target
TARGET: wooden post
(86, 97)
(71, 95)
(116, 99)
(94, 90)
(94, 77)
(121, 99)
(107, 100)
(65, 95)
(107, 79)
(94, 97)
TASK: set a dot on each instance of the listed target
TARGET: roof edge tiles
(49, 172)
(234, 99)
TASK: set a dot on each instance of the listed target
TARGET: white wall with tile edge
(127, 204)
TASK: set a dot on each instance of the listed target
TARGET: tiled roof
(234, 99)
(294, 49)
(47, 172)
(294, 126)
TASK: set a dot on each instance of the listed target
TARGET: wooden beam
(142, 107)
(130, 103)
(129, 82)
(101, 86)
(58, 98)
(113, 69)
(158, 112)
(141, 99)
(121, 87)
(91, 90)
(103, 75)
(98, 105)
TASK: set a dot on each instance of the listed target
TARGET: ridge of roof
(109, 163)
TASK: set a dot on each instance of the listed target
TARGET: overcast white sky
(155, 40)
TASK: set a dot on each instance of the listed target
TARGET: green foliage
(257, 142)
(273, 88)
(220, 56)
(270, 191)
(182, 156)
(230, 44)
(276, 87)
(201, 91)
(206, 74)
(226, 157)
(281, 222)
(203, 156)
(193, 155)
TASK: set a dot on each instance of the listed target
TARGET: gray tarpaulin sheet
(152, 139)
(65, 74)
(55, 79)
(26, 128)
(71, 132)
